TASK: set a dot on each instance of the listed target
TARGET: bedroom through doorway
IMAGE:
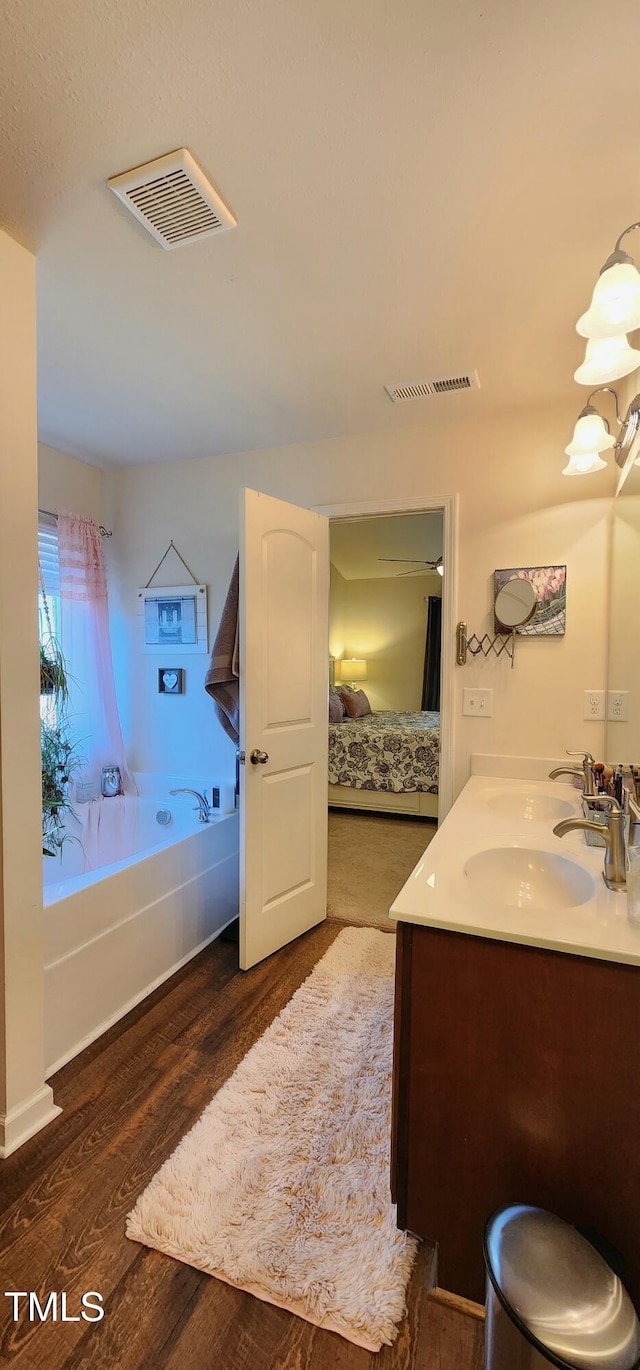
(385, 635)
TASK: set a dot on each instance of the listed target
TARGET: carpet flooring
(282, 1186)
(370, 857)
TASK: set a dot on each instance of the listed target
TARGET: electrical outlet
(618, 706)
(594, 704)
(477, 703)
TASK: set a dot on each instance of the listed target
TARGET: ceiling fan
(419, 568)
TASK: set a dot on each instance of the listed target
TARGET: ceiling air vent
(418, 390)
(174, 200)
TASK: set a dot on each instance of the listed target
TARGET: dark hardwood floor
(127, 1101)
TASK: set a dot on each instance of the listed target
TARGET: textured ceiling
(357, 544)
(420, 186)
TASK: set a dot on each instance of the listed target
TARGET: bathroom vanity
(517, 1035)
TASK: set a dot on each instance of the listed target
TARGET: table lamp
(353, 670)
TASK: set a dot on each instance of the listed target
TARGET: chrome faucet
(615, 871)
(204, 811)
(585, 771)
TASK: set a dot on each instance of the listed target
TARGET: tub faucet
(204, 811)
(614, 873)
(585, 771)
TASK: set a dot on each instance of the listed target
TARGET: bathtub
(112, 935)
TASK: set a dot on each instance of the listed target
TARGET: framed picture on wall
(171, 680)
(550, 585)
(174, 617)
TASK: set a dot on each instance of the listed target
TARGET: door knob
(258, 758)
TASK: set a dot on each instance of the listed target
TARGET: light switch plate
(594, 706)
(477, 703)
(618, 706)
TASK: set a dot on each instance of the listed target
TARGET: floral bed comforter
(394, 752)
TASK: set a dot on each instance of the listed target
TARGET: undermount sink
(524, 878)
(536, 807)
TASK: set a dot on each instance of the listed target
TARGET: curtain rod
(104, 532)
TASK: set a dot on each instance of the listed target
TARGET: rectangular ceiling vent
(174, 200)
(419, 390)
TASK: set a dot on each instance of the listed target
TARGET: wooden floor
(127, 1101)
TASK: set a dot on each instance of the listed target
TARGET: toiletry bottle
(633, 864)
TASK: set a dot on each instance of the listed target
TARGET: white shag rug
(282, 1186)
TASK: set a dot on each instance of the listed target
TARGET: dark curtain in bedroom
(431, 681)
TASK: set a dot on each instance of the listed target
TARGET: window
(49, 601)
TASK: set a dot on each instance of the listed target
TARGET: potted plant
(53, 674)
(60, 761)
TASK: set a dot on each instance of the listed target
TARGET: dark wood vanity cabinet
(516, 1079)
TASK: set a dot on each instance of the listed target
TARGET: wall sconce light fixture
(607, 359)
(615, 304)
(592, 435)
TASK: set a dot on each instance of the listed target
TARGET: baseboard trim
(457, 1302)
(27, 1118)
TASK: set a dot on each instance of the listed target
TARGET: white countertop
(440, 892)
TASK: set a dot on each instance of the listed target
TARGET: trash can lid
(564, 1297)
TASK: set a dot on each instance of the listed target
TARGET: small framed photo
(171, 680)
(174, 617)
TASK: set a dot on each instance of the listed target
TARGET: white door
(283, 616)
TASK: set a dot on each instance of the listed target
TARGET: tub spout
(204, 810)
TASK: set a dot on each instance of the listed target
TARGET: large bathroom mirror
(623, 680)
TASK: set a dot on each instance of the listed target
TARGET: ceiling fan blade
(418, 572)
(408, 560)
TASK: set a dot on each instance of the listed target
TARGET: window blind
(48, 554)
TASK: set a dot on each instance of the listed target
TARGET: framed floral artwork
(550, 585)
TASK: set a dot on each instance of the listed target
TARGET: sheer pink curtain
(93, 706)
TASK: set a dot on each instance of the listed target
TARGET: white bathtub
(114, 934)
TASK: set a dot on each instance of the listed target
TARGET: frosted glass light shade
(607, 359)
(355, 669)
(615, 304)
(586, 465)
(589, 437)
(440, 567)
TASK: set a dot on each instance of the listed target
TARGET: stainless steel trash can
(552, 1299)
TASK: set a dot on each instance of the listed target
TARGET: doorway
(391, 602)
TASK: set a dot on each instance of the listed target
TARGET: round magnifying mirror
(515, 603)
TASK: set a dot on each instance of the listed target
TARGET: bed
(387, 762)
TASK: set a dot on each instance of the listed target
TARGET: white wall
(384, 620)
(515, 509)
(26, 1103)
(69, 485)
(338, 588)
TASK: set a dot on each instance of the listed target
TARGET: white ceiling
(420, 186)
(357, 544)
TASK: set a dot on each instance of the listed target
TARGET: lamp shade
(589, 435)
(615, 304)
(584, 466)
(353, 669)
(607, 359)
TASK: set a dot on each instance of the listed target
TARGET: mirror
(623, 677)
(515, 604)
